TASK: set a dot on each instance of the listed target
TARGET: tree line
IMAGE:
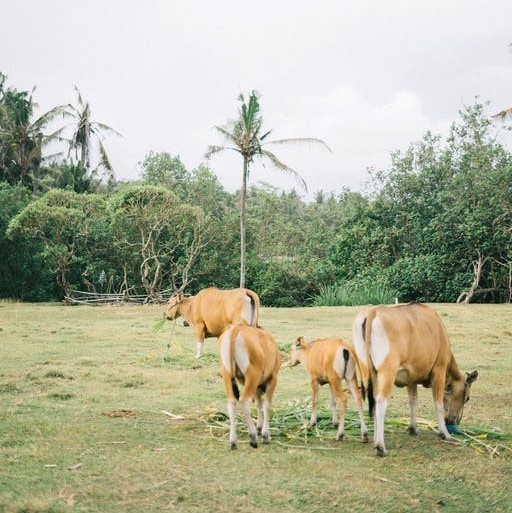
(435, 226)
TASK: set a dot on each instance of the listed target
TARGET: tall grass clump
(354, 294)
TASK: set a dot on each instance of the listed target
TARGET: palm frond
(301, 140)
(213, 150)
(230, 136)
(106, 128)
(283, 167)
(105, 161)
(503, 114)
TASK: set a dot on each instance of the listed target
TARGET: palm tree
(245, 136)
(85, 130)
(22, 140)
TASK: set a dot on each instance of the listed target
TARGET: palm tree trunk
(243, 197)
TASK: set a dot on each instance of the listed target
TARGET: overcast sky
(367, 77)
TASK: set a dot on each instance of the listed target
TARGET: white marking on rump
(241, 355)
(358, 338)
(225, 350)
(379, 343)
(247, 313)
(339, 363)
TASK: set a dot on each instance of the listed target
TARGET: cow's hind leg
(332, 404)
(385, 381)
(259, 409)
(412, 391)
(356, 393)
(267, 403)
(248, 394)
(342, 401)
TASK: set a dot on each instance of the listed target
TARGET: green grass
(352, 294)
(99, 414)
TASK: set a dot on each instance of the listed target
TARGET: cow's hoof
(234, 447)
(380, 451)
(341, 437)
(258, 429)
(266, 440)
(253, 441)
(335, 423)
(364, 438)
(412, 430)
(312, 423)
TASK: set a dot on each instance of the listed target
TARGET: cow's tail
(372, 381)
(236, 391)
(360, 372)
(234, 386)
(255, 306)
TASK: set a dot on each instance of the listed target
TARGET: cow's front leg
(438, 383)
(412, 391)
(314, 398)
(200, 340)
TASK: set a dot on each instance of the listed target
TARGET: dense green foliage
(435, 226)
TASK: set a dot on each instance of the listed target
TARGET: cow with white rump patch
(331, 361)
(211, 311)
(407, 346)
(249, 355)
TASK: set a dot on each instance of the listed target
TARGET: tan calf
(331, 361)
(407, 346)
(249, 356)
(211, 311)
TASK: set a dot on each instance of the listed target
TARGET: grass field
(98, 415)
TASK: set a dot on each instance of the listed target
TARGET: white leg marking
(199, 352)
(314, 399)
(442, 423)
(225, 357)
(259, 408)
(380, 414)
(246, 410)
(412, 391)
(357, 397)
(266, 426)
(379, 343)
(232, 423)
(358, 338)
(332, 404)
(241, 355)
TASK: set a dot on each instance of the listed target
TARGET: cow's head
(456, 395)
(173, 308)
(296, 351)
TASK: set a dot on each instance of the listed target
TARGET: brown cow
(330, 361)
(212, 310)
(407, 345)
(250, 356)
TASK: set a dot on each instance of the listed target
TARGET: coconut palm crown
(244, 135)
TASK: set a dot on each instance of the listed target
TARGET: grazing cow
(211, 311)
(407, 345)
(250, 356)
(330, 361)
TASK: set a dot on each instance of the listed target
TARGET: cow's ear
(299, 342)
(471, 377)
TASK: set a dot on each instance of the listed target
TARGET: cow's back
(413, 335)
(217, 309)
